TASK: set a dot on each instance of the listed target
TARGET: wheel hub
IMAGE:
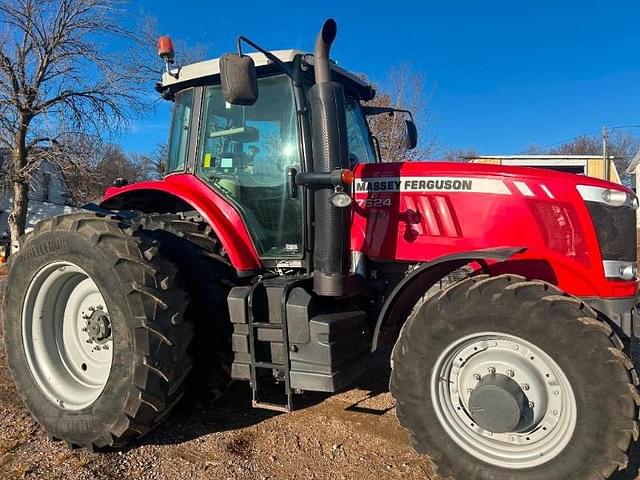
(503, 399)
(498, 404)
(98, 326)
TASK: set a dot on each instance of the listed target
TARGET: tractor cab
(247, 153)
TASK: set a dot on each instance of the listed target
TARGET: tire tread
(535, 294)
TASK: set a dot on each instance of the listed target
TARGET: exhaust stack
(330, 151)
(324, 40)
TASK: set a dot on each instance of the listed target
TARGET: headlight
(340, 199)
(608, 196)
(616, 198)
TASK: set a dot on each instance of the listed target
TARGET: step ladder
(265, 371)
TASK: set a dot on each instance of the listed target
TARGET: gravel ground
(353, 435)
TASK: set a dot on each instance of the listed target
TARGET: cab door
(245, 153)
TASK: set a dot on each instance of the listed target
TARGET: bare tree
(406, 91)
(458, 155)
(61, 76)
(88, 169)
(622, 145)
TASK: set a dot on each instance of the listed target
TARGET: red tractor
(279, 249)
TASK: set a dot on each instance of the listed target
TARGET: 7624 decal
(373, 202)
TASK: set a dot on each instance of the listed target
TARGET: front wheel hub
(498, 404)
(503, 399)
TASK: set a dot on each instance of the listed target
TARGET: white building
(48, 196)
(634, 170)
(590, 165)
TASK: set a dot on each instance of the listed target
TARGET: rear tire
(144, 328)
(190, 243)
(573, 344)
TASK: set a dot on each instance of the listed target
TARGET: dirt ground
(353, 435)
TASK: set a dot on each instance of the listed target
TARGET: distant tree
(89, 169)
(458, 155)
(158, 160)
(60, 75)
(623, 145)
(405, 91)
(153, 164)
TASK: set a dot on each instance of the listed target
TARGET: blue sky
(500, 75)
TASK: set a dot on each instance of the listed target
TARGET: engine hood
(475, 177)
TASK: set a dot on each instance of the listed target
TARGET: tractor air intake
(330, 151)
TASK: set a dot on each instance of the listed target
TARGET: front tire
(94, 330)
(499, 378)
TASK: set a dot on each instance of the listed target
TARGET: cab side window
(179, 135)
(360, 147)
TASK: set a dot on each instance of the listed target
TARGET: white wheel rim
(69, 365)
(455, 375)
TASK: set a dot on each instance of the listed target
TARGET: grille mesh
(616, 231)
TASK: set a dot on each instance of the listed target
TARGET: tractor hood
(471, 177)
(419, 211)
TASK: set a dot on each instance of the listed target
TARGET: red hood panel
(418, 211)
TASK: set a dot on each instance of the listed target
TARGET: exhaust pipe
(324, 40)
(330, 151)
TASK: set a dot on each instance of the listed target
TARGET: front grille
(616, 230)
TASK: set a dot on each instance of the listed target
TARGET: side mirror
(238, 79)
(410, 135)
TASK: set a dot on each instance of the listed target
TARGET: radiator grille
(616, 230)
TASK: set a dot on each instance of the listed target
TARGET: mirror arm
(286, 68)
(377, 144)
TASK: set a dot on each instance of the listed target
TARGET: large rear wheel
(501, 378)
(94, 330)
(190, 243)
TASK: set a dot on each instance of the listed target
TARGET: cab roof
(208, 68)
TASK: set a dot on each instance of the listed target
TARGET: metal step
(276, 290)
(274, 366)
(271, 406)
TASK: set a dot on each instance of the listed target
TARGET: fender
(408, 291)
(183, 191)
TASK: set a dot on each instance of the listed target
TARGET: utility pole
(605, 155)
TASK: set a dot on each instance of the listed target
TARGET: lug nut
(491, 370)
(554, 412)
(511, 373)
(525, 386)
(477, 377)
(469, 391)
(531, 404)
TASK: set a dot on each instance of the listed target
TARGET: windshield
(360, 147)
(245, 153)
